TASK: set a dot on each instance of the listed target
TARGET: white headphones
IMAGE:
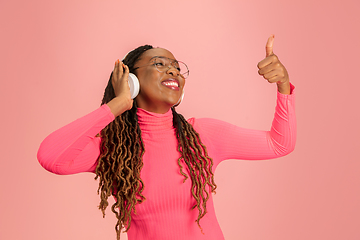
(134, 85)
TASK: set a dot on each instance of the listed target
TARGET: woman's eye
(159, 64)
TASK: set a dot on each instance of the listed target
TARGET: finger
(267, 61)
(275, 76)
(117, 64)
(126, 73)
(269, 45)
(270, 75)
(121, 68)
(264, 70)
(125, 81)
(115, 71)
(270, 67)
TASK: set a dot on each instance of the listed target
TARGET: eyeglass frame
(172, 61)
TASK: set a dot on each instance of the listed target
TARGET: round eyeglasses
(163, 64)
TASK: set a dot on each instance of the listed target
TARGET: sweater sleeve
(226, 141)
(74, 148)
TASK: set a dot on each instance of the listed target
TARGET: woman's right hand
(122, 101)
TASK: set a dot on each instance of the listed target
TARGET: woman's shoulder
(207, 124)
(194, 120)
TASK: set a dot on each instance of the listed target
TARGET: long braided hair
(120, 161)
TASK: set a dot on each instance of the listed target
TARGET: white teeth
(175, 84)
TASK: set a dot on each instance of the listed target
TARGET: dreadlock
(120, 161)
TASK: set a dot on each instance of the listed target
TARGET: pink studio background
(56, 57)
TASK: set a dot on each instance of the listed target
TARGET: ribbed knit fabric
(167, 211)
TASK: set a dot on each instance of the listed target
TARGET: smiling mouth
(170, 83)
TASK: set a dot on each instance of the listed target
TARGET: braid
(199, 164)
(121, 152)
(120, 161)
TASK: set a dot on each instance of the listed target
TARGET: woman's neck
(154, 121)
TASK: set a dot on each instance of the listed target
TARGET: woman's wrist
(284, 88)
(119, 105)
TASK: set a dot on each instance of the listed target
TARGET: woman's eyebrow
(164, 57)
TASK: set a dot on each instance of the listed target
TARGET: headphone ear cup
(180, 99)
(134, 85)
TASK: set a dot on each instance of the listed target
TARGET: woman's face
(159, 91)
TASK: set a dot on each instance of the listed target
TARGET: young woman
(158, 166)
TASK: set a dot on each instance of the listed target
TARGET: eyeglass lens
(163, 64)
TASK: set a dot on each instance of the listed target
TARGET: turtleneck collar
(150, 121)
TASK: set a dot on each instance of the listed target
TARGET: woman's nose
(173, 71)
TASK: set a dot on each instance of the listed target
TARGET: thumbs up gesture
(272, 69)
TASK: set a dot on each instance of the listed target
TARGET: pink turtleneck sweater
(166, 213)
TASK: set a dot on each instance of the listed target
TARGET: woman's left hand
(272, 69)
